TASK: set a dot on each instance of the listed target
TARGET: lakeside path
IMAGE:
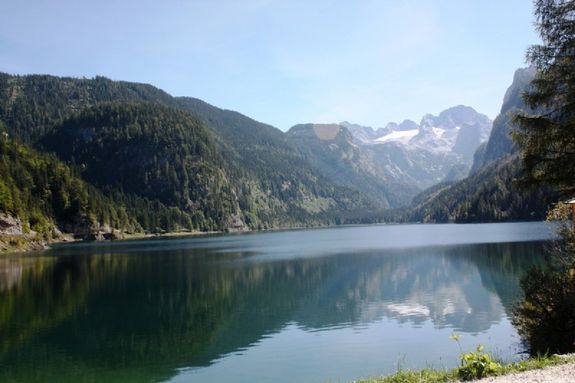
(563, 373)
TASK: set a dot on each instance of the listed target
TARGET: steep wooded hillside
(40, 197)
(210, 169)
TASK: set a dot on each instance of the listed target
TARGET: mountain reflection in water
(111, 312)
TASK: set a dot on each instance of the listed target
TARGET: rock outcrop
(10, 225)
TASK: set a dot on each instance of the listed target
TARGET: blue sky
(283, 62)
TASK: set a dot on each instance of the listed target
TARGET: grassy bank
(20, 243)
(437, 376)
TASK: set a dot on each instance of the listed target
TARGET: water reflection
(131, 316)
(460, 287)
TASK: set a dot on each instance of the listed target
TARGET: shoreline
(18, 244)
(552, 369)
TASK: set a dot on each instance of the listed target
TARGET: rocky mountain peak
(361, 133)
(416, 155)
(407, 125)
(459, 115)
(434, 133)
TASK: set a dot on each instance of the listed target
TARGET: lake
(315, 305)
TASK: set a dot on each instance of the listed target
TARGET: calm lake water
(294, 306)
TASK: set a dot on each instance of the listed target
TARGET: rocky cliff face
(500, 144)
(10, 225)
(13, 238)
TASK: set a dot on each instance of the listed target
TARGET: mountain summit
(406, 156)
(458, 130)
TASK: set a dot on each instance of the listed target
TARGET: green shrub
(545, 317)
(477, 365)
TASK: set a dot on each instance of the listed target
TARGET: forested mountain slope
(489, 195)
(151, 151)
(40, 195)
(267, 160)
(31, 105)
(211, 169)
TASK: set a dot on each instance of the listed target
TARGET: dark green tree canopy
(545, 318)
(547, 136)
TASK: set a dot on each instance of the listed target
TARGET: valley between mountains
(100, 158)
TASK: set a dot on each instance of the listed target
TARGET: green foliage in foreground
(419, 376)
(545, 318)
(442, 375)
(546, 135)
(477, 365)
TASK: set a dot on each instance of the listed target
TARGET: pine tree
(547, 138)
(545, 318)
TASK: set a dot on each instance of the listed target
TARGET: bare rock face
(93, 232)
(236, 224)
(10, 225)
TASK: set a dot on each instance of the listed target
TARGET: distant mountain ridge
(458, 130)
(403, 158)
(333, 150)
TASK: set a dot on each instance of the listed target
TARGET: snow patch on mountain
(408, 154)
(459, 130)
(402, 136)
